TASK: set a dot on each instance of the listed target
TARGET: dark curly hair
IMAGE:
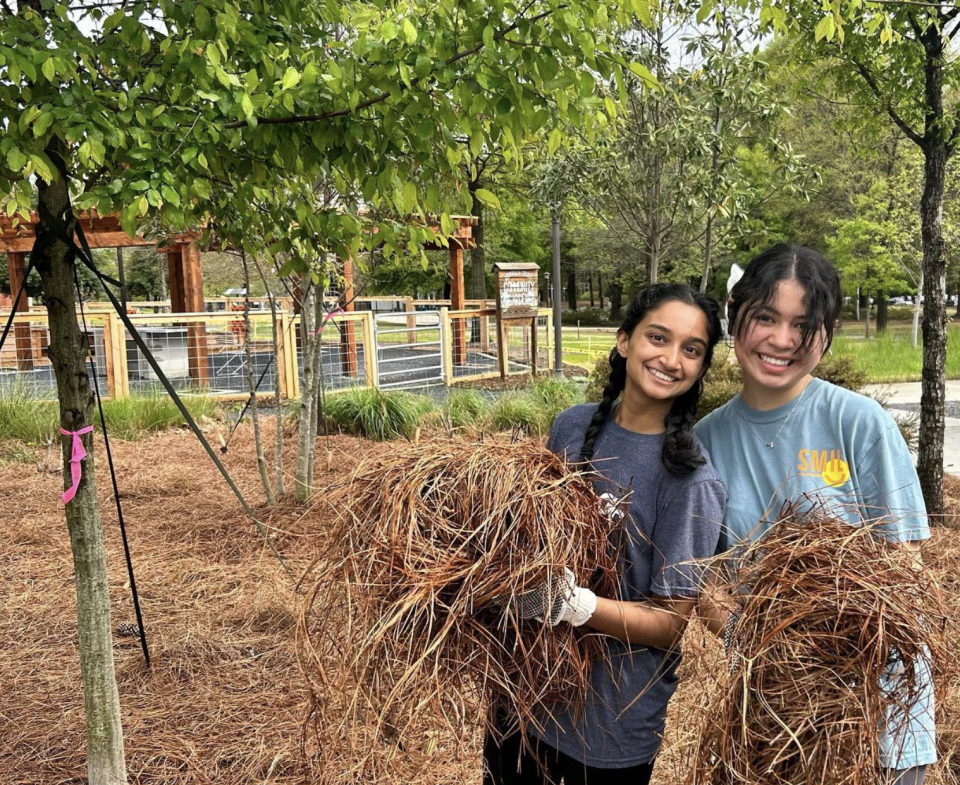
(788, 262)
(680, 453)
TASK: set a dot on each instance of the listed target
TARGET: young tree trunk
(571, 285)
(68, 348)
(305, 433)
(616, 294)
(600, 289)
(858, 303)
(477, 286)
(866, 319)
(915, 329)
(881, 313)
(707, 254)
(590, 283)
(933, 389)
(278, 398)
(251, 384)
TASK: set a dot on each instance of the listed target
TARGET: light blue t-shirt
(840, 447)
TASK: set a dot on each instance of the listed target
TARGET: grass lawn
(889, 358)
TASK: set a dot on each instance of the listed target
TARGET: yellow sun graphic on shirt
(835, 472)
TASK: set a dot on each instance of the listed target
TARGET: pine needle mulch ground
(225, 701)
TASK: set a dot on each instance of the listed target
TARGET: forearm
(642, 623)
(712, 610)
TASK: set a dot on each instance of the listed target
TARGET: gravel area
(951, 408)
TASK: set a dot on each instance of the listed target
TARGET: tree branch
(912, 135)
(385, 95)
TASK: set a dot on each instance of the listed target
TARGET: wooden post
(198, 351)
(457, 303)
(22, 336)
(109, 355)
(533, 347)
(348, 335)
(410, 308)
(503, 356)
(446, 355)
(280, 363)
(175, 274)
(369, 351)
(484, 332)
(292, 332)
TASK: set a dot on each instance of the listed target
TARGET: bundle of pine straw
(828, 609)
(411, 628)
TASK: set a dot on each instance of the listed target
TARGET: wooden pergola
(103, 231)
(186, 281)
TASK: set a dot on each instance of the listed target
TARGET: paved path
(905, 396)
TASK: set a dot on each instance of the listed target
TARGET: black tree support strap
(246, 406)
(87, 258)
(113, 479)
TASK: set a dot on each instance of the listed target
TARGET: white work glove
(559, 600)
(572, 604)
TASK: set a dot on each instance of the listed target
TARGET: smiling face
(776, 363)
(664, 354)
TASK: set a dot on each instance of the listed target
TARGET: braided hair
(680, 453)
(788, 262)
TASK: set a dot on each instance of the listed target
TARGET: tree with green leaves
(893, 59)
(174, 113)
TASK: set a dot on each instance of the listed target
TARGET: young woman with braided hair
(660, 485)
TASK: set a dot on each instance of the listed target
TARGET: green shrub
(587, 317)
(377, 415)
(26, 418)
(465, 408)
(597, 379)
(520, 411)
(842, 370)
(139, 415)
(723, 381)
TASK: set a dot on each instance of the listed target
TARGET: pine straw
(825, 604)
(404, 637)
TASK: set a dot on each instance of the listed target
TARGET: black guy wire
(113, 479)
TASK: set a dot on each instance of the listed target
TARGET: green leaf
(49, 69)
(246, 105)
(139, 185)
(188, 154)
(16, 160)
(409, 31)
(388, 31)
(487, 198)
(202, 17)
(291, 78)
(42, 123)
(648, 79)
(409, 196)
(170, 195)
(610, 106)
(556, 137)
(424, 63)
(488, 33)
(642, 9)
(825, 28)
(213, 54)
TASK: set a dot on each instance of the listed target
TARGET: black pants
(511, 763)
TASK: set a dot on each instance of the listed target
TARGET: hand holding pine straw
(828, 610)
(420, 617)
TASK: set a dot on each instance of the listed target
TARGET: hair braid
(615, 385)
(680, 453)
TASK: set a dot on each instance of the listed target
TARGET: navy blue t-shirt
(669, 523)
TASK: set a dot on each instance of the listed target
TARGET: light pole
(555, 210)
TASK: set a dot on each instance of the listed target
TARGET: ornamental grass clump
(829, 611)
(411, 626)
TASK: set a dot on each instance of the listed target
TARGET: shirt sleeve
(889, 488)
(686, 533)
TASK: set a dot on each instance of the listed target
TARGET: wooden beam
(457, 297)
(198, 351)
(22, 336)
(348, 330)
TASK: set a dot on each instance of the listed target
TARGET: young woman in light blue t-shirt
(788, 434)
